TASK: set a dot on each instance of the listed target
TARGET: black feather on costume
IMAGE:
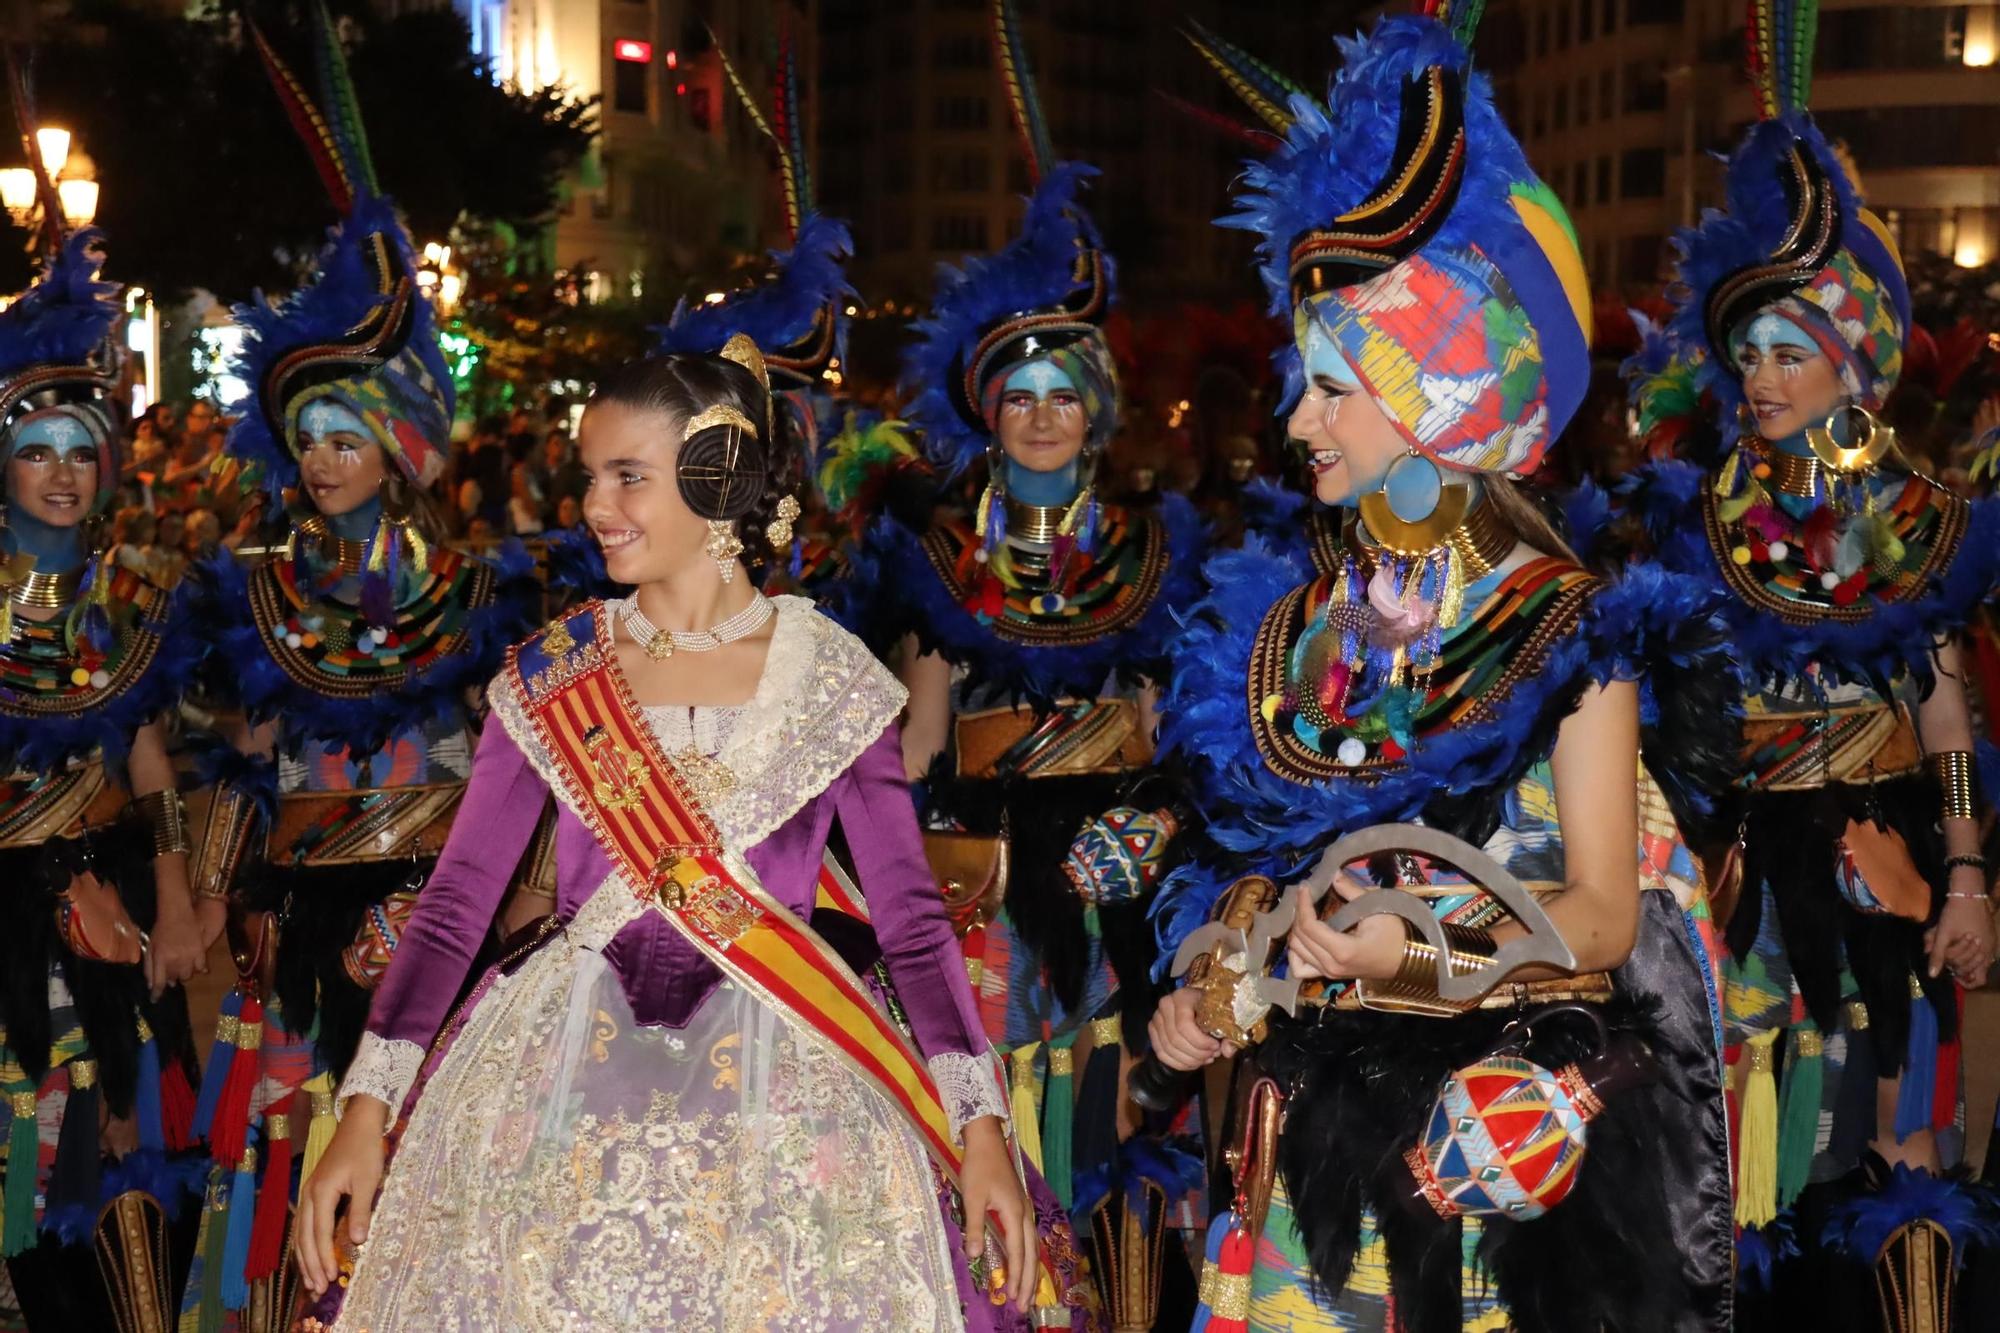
(321, 909)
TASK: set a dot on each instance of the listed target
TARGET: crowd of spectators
(181, 497)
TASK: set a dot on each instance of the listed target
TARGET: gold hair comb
(744, 353)
(719, 415)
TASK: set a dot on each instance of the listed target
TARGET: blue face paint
(323, 418)
(1042, 378)
(72, 442)
(1768, 330)
(1323, 358)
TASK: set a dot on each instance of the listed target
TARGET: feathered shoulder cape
(923, 583)
(1666, 498)
(1651, 625)
(285, 654)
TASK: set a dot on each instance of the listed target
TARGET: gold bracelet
(1953, 769)
(167, 816)
(1415, 985)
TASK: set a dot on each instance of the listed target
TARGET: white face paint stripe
(1041, 377)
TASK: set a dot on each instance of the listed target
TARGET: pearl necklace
(662, 644)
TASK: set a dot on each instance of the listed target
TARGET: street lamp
(76, 192)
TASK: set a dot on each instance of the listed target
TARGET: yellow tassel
(1027, 1115)
(985, 508)
(1068, 525)
(420, 551)
(320, 1131)
(1451, 603)
(378, 547)
(1757, 1134)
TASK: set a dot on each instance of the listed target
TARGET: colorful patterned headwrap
(1403, 217)
(58, 361)
(1046, 295)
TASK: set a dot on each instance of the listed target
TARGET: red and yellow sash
(654, 830)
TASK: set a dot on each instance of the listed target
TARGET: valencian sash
(619, 780)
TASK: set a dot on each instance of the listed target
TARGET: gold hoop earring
(1860, 456)
(723, 546)
(778, 532)
(1426, 534)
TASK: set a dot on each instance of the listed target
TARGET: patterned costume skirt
(566, 1168)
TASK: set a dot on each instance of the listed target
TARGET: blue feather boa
(66, 315)
(1651, 620)
(44, 743)
(1666, 496)
(890, 589)
(363, 726)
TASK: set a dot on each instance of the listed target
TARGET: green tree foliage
(204, 182)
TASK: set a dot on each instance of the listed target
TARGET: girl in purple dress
(676, 1103)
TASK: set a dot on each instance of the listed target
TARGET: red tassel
(176, 1108)
(1944, 1104)
(1732, 1106)
(1234, 1264)
(274, 1196)
(232, 1110)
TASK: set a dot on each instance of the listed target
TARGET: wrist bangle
(1414, 987)
(1970, 897)
(1953, 769)
(167, 817)
(1973, 859)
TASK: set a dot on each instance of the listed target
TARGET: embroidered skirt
(566, 1168)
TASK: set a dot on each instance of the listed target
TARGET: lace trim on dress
(969, 1087)
(384, 1068)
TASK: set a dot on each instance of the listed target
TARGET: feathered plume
(66, 316)
(1019, 79)
(792, 130)
(788, 164)
(1778, 50)
(1262, 88)
(1250, 136)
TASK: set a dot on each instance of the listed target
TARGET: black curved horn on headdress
(380, 335)
(1406, 208)
(1810, 241)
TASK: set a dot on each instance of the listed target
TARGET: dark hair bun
(722, 471)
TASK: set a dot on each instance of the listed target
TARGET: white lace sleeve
(382, 1068)
(969, 1086)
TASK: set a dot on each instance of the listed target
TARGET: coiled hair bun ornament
(722, 465)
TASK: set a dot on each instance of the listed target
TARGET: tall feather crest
(1263, 89)
(310, 125)
(792, 126)
(1255, 138)
(1461, 16)
(342, 110)
(788, 168)
(1019, 79)
(1778, 40)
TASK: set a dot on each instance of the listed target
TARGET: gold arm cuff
(167, 817)
(1415, 986)
(1960, 790)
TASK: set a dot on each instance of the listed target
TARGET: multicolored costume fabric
(1838, 587)
(1400, 219)
(79, 1034)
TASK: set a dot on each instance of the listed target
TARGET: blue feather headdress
(1047, 293)
(1402, 215)
(797, 315)
(360, 332)
(57, 355)
(1794, 236)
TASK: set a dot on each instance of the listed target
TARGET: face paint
(63, 437)
(1323, 358)
(323, 418)
(1040, 377)
(1760, 339)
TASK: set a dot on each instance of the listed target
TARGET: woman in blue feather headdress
(98, 929)
(1028, 626)
(353, 657)
(1853, 896)
(1462, 1143)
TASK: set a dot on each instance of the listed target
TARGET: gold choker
(1482, 539)
(351, 557)
(49, 591)
(1034, 524)
(1788, 472)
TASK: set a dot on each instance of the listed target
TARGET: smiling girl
(675, 1104)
